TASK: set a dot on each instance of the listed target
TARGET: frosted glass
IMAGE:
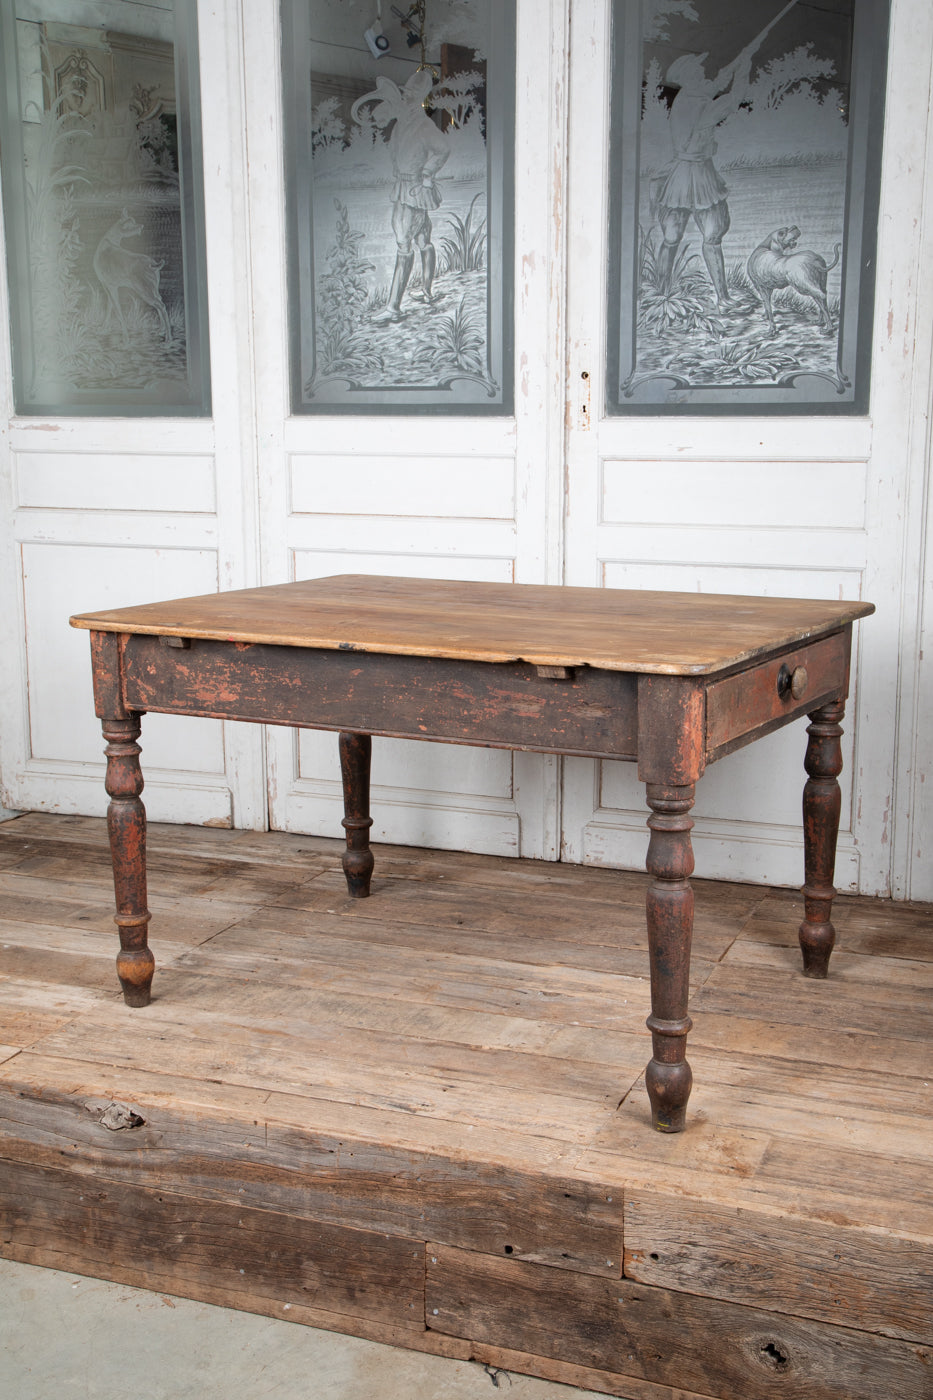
(103, 206)
(744, 173)
(400, 204)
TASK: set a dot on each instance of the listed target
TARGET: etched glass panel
(399, 123)
(103, 209)
(744, 168)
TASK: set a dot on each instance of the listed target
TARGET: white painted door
(109, 511)
(472, 497)
(794, 506)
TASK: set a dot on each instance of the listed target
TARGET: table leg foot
(135, 968)
(669, 910)
(126, 825)
(821, 808)
(669, 1088)
(358, 860)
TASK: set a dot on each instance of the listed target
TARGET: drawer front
(767, 696)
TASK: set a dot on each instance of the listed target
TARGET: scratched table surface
(544, 625)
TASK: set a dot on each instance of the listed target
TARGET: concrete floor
(63, 1336)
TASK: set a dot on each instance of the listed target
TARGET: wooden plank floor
(421, 1118)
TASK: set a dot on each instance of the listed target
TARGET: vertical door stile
(542, 237)
(541, 250)
(901, 828)
(231, 296)
(587, 199)
(262, 90)
(262, 80)
(13, 708)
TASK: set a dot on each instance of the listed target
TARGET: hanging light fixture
(374, 36)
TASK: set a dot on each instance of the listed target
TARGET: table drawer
(752, 702)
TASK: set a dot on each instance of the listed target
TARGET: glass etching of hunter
(400, 204)
(102, 201)
(742, 140)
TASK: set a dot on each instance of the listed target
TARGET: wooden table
(671, 681)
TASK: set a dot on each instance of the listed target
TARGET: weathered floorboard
(674, 1339)
(179, 1243)
(321, 1088)
(544, 1218)
(711, 1251)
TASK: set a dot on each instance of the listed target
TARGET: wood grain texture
(673, 1339)
(611, 629)
(334, 1179)
(177, 1243)
(312, 1061)
(566, 1373)
(871, 1280)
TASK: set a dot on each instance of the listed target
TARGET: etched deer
(118, 267)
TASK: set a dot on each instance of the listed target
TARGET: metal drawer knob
(792, 685)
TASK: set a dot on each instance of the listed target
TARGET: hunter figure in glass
(418, 151)
(740, 166)
(692, 187)
(401, 215)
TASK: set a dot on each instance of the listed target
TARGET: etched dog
(118, 267)
(777, 263)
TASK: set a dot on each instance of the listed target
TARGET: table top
(545, 625)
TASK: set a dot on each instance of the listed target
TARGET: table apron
(502, 705)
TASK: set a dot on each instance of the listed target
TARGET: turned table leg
(670, 930)
(358, 861)
(821, 806)
(126, 825)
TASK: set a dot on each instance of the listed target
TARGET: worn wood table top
(611, 629)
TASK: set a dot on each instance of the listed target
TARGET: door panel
(61, 716)
(61, 767)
